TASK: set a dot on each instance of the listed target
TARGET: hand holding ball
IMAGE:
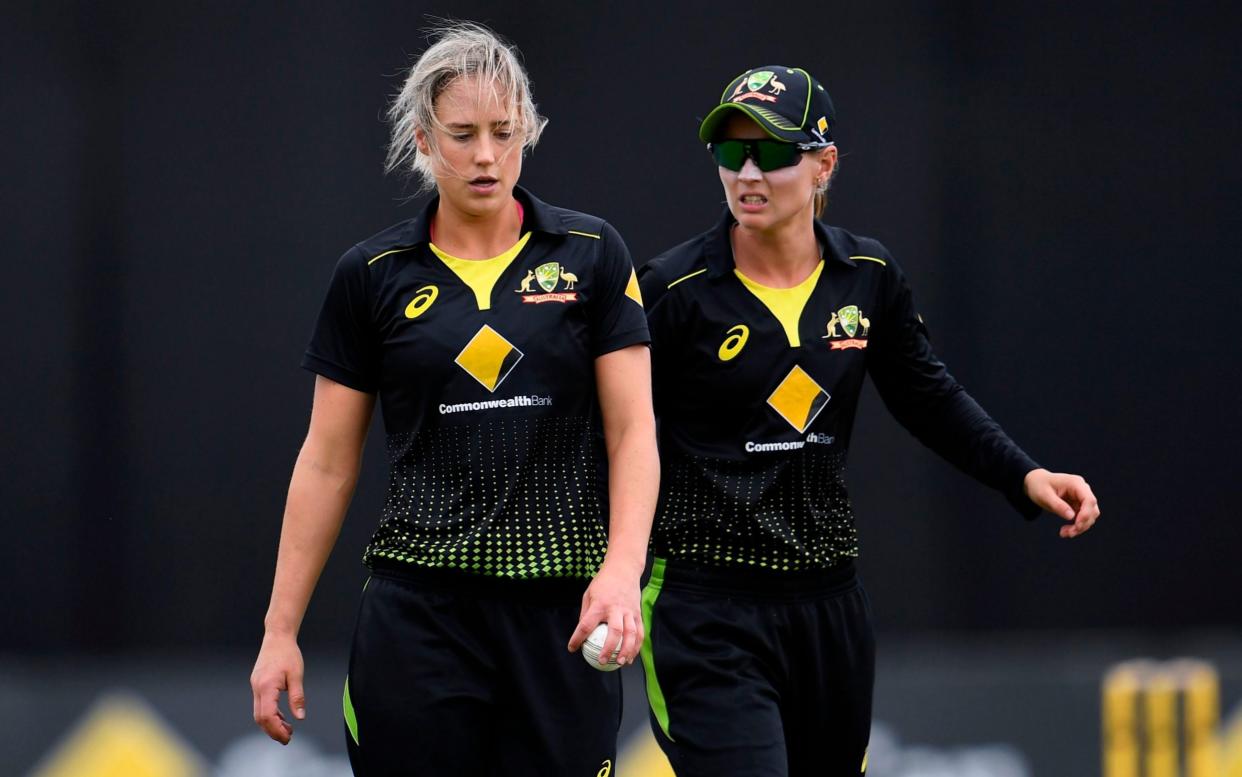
(594, 645)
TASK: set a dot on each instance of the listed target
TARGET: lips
(483, 184)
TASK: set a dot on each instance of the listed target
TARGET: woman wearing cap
(490, 325)
(759, 657)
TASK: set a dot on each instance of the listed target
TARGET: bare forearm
(319, 495)
(633, 483)
(624, 381)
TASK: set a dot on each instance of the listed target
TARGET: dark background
(1060, 181)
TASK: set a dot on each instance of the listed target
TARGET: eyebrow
(467, 126)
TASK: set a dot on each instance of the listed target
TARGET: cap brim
(707, 130)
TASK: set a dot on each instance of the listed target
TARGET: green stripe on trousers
(351, 720)
(655, 697)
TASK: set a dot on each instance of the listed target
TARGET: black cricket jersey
(487, 391)
(755, 416)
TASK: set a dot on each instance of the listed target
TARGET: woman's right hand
(319, 491)
(278, 668)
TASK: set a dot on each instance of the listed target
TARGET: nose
(750, 171)
(485, 150)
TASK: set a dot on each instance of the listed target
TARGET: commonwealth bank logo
(798, 399)
(489, 357)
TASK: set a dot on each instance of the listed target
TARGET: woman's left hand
(1065, 495)
(613, 598)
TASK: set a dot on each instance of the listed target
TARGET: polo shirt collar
(719, 250)
(537, 216)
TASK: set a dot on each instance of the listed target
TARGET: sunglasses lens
(730, 154)
(772, 155)
(769, 155)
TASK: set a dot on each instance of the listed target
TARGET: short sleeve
(615, 307)
(651, 283)
(343, 345)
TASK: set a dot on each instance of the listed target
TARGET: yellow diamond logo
(488, 357)
(798, 399)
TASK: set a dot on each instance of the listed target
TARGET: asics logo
(422, 300)
(734, 343)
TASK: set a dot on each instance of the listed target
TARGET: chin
(752, 220)
(484, 203)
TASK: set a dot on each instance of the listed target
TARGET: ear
(827, 163)
(420, 141)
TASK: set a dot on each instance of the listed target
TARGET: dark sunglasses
(769, 155)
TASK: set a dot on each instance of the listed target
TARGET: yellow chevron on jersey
(786, 304)
(481, 274)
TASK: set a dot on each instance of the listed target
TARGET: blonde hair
(458, 49)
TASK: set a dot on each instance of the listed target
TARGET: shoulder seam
(375, 259)
(881, 262)
(583, 234)
(687, 277)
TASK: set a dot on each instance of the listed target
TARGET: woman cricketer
(501, 334)
(759, 657)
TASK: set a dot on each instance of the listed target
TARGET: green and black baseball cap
(786, 102)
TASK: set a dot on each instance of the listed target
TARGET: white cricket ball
(594, 645)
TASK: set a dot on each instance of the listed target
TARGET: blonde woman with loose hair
(760, 656)
(507, 342)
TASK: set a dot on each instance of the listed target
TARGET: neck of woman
(475, 235)
(781, 257)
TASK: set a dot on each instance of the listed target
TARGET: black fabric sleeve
(657, 303)
(924, 398)
(344, 344)
(651, 283)
(615, 308)
(654, 286)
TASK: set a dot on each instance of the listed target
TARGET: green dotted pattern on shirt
(512, 498)
(784, 512)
